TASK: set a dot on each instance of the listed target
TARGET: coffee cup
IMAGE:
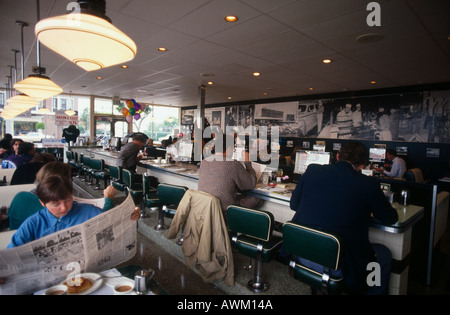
(56, 290)
(123, 287)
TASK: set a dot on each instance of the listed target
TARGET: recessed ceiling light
(256, 74)
(210, 82)
(373, 82)
(231, 18)
(124, 67)
(311, 89)
(99, 78)
(327, 61)
(162, 49)
(229, 97)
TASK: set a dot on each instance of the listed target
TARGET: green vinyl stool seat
(255, 239)
(169, 197)
(98, 172)
(133, 182)
(115, 177)
(150, 194)
(316, 246)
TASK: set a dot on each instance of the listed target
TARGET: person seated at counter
(129, 157)
(60, 211)
(398, 167)
(25, 152)
(26, 203)
(337, 198)
(5, 146)
(223, 178)
(150, 149)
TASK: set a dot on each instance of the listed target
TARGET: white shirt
(398, 168)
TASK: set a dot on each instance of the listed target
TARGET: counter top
(280, 194)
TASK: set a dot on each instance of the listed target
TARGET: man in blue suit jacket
(338, 199)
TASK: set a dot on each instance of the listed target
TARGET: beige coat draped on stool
(206, 242)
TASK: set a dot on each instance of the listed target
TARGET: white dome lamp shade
(87, 37)
(37, 85)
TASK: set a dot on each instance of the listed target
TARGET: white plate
(92, 277)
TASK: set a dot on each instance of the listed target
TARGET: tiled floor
(166, 259)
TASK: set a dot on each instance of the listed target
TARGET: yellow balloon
(129, 104)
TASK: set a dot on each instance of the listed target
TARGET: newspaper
(93, 246)
(99, 202)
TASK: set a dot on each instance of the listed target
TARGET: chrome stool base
(257, 287)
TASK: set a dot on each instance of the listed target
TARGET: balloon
(137, 116)
(137, 106)
(134, 101)
(142, 106)
(129, 118)
(124, 111)
(129, 103)
(132, 111)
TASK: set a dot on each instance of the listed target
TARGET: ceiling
(284, 40)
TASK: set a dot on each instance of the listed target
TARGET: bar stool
(86, 169)
(254, 239)
(98, 172)
(134, 184)
(115, 177)
(150, 195)
(169, 196)
(72, 159)
(316, 246)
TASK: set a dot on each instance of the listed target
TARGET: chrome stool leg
(160, 226)
(257, 284)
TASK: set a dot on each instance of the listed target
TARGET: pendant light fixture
(19, 103)
(86, 37)
(37, 85)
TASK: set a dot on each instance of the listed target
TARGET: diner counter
(397, 237)
(186, 174)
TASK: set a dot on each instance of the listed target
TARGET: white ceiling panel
(285, 40)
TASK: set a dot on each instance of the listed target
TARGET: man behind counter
(129, 154)
(398, 168)
(339, 199)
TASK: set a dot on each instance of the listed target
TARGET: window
(62, 102)
(103, 106)
(2, 98)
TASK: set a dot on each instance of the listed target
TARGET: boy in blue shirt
(59, 212)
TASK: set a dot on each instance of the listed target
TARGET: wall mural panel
(410, 117)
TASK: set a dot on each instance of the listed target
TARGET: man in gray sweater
(129, 154)
(224, 178)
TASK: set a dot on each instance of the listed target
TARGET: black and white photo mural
(410, 117)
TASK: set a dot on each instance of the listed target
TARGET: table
(127, 271)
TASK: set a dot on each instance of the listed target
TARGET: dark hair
(54, 168)
(14, 140)
(355, 153)
(140, 137)
(44, 157)
(54, 188)
(25, 147)
(392, 152)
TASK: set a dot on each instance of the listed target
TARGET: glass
(103, 106)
